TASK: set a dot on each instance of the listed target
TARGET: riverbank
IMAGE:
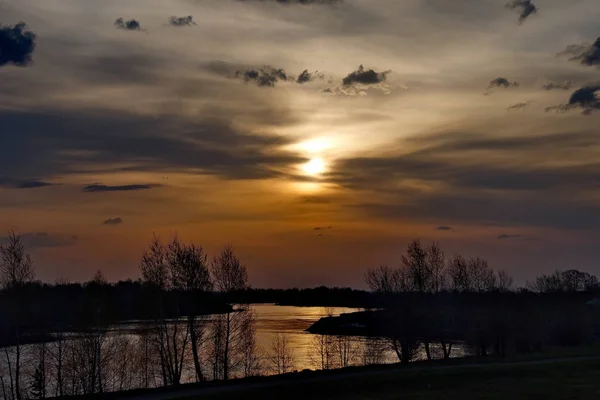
(545, 375)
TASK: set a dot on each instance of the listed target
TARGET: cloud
(585, 98)
(122, 188)
(586, 54)
(182, 21)
(306, 76)
(264, 77)
(297, 2)
(566, 85)
(113, 221)
(44, 239)
(518, 106)
(526, 8)
(364, 76)
(23, 184)
(502, 83)
(130, 25)
(322, 228)
(506, 236)
(480, 178)
(443, 228)
(16, 45)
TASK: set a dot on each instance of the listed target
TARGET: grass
(572, 379)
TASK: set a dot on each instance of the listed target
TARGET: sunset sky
(472, 123)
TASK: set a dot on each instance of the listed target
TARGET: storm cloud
(16, 45)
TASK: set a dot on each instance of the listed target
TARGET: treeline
(432, 299)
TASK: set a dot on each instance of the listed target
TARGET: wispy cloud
(505, 236)
(119, 188)
(23, 184)
(113, 221)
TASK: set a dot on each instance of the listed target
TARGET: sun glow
(314, 167)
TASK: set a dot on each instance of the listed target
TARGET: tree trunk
(59, 371)
(18, 369)
(226, 350)
(428, 350)
(194, 342)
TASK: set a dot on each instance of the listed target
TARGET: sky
(316, 137)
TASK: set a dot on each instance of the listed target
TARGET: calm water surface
(292, 321)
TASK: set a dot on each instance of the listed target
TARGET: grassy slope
(557, 380)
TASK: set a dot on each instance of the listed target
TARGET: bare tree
(321, 352)
(504, 281)
(458, 272)
(418, 269)
(281, 355)
(189, 266)
(171, 340)
(229, 275)
(345, 350)
(481, 275)
(247, 345)
(373, 351)
(16, 268)
(437, 265)
(39, 376)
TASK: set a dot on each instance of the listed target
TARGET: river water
(271, 320)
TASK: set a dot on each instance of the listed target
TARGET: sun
(314, 167)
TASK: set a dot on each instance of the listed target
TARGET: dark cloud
(585, 98)
(526, 8)
(182, 21)
(506, 236)
(23, 184)
(265, 77)
(464, 184)
(109, 139)
(130, 25)
(502, 83)
(583, 53)
(566, 85)
(16, 45)
(364, 76)
(44, 239)
(443, 228)
(306, 76)
(121, 188)
(113, 221)
(322, 228)
(518, 106)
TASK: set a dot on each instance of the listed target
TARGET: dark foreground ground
(564, 379)
(564, 375)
